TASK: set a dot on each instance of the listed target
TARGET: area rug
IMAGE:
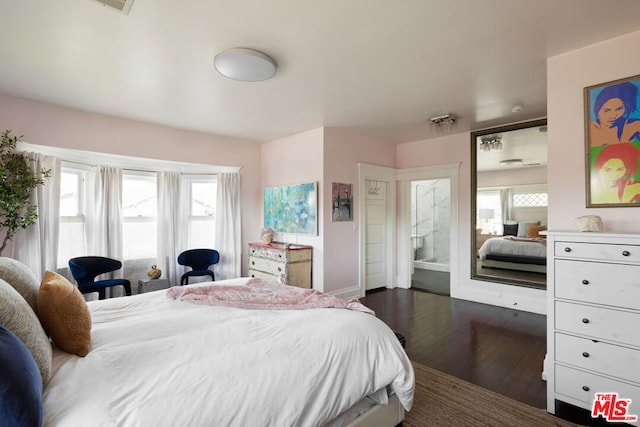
(444, 400)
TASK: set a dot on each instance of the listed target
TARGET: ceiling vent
(119, 5)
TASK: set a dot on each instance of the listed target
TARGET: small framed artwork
(342, 202)
(612, 135)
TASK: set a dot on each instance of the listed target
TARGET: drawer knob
(279, 269)
(567, 249)
(253, 275)
(626, 253)
(585, 354)
(585, 282)
(253, 263)
(585, 388)
(585, 320)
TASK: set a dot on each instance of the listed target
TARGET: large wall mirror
(509, 204)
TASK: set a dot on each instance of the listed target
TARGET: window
(529, 200)
(139, 212)
(489, 212)
(139, 215)
(202, 211)
(72, 215)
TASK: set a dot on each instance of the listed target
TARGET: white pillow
(524, 225)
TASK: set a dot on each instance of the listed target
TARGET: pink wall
(62, 127)
(567, 75)
(342, 153)
(326, 155)
(294, 160)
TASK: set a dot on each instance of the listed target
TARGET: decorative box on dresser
(593, 318)
(280, 262)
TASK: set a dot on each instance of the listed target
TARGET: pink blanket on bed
(258, 293)
(540, 240)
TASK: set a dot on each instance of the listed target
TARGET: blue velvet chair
(85, 269)
(199, 260)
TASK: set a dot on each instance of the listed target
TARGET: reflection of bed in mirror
(514, 253)
(509, 196)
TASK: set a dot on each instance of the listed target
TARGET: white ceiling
(374, 67)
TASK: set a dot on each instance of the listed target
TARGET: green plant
(17, 182)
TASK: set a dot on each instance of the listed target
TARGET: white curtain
(172, 221)
(504, 202)
(228, 231)
(104, 223)
(37, 246)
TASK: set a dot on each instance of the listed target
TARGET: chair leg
(127, 289)
(102, 294)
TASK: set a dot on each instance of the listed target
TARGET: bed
(514, 253)
(160, 361)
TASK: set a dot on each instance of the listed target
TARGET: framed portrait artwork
(612, 135)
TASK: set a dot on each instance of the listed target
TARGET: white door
(375, 234)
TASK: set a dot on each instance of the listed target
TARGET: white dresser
(593, 318)
(288, 264)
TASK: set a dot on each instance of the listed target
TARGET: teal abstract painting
(291, 208)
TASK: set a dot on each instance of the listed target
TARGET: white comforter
(161, 362)
(518, 246)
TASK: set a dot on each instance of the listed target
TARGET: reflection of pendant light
(246, 65)
(488, 143)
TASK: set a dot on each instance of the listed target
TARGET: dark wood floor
(496, 348)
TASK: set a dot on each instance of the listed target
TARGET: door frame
(450, 171)
(389, 176)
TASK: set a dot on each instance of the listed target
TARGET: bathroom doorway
(430, 235)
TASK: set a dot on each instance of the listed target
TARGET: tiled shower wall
(430, 219)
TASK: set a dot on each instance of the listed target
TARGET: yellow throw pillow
(64, 314)
(534, 230)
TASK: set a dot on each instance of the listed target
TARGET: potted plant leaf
(17, 182)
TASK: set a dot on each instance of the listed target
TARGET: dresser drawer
(268, 253)
(598, 323)
(610, 284)
(597, 251)
(265, 276)
(268, 266)
(582, 386)
(609, 359)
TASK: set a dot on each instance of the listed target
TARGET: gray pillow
(22, 279)
(21, 320)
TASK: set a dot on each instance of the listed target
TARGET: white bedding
(155, 361)
(506, 246)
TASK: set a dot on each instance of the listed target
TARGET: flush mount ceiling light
(246, 65)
